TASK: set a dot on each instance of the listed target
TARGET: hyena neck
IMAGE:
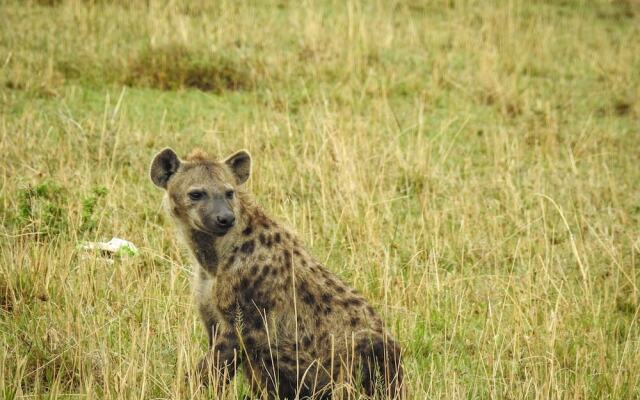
(203, 247)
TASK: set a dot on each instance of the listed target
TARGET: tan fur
(269, 306)
(197, 155)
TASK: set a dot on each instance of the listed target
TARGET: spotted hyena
(295, 328)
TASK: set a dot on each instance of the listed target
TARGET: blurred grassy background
(471, 166)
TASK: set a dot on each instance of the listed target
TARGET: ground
(470, 166)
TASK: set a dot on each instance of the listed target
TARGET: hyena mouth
(212, 229)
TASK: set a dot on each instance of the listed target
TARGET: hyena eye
(196, 195)
(229, 194)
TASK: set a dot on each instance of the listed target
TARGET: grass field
(471, 166)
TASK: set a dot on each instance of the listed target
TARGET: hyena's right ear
(163, 166)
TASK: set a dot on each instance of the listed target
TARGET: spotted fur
(267, 305)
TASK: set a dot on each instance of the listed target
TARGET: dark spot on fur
(247, 231)
(230, 261)
(307, 297)
(263, 273)
(354, 321)
(277, 237)
(306, 341)
(254, 270)
(296, 252)
(363, 346)
(247, 247)
(221, 347)
(285, 358)
(287, 258)
(202, 245)
(244, 283)
(326, 298)
(249, 341)
(353, 302)
(256, 323)
(265, 240)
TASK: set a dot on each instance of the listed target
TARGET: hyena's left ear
(240, 164)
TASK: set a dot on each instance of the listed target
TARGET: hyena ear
(240, 165)
(163, 166)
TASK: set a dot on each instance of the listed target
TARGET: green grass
(471, 166)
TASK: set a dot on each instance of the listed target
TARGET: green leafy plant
(89, 223)
(42, 208)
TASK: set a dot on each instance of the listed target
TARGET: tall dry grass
(470, 166)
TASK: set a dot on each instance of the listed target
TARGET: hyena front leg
(222, 360)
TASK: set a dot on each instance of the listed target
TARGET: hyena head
(201, 193)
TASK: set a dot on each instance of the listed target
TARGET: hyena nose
(226, 220)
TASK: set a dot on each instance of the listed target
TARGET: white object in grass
(116, 246)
